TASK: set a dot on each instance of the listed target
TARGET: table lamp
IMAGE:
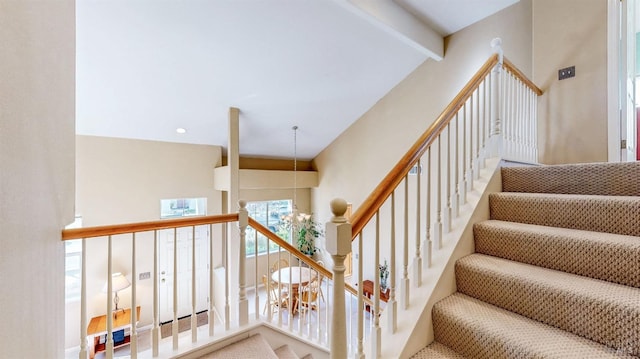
(118, 283)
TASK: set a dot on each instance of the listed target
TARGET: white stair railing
(494, 115)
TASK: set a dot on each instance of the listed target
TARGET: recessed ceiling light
(181, 130)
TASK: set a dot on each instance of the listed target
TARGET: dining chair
(277, 296)
(309, 297)
(280, 263)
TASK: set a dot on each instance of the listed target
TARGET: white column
(338, 233)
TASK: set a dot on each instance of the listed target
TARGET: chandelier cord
(295, 167)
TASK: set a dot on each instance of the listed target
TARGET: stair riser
(610, 322)
(477, 330)
(606, 179)
(619, 215)
(596, 256)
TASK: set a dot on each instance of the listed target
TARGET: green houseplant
(305, 232)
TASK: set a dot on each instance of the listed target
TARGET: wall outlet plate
(145, 275)
(566, 73)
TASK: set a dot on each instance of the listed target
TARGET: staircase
(556, 273)
(253, 347)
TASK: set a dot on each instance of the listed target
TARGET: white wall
(573, 112)
(357, 161)
(37, 114)
(123, 181)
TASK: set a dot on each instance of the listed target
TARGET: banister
(101, 231)
(375, 200)
(517, 73)
(379, 195)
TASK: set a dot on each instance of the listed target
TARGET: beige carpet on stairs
(253, 347)
(556, 273)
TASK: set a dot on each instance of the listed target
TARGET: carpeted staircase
(556, 273)
(253, 347)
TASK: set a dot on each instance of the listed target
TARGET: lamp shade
(118, 283)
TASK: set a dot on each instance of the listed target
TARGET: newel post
(243, 302)
(496, 99)
(338, 233)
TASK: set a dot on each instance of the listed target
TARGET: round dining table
(294, 276)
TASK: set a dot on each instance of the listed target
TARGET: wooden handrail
(301, 256)
(380, 194)
(509, 66)
(110, 230)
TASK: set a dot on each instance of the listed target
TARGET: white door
(184, 270)
(627, 81)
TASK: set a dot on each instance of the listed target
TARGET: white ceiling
(147, 67)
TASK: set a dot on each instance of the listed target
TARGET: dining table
(293, 277)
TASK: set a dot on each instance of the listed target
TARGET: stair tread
(284, 352)
(254, 346)
(436, 350)
(611, 214)
(603, 178)
(481, 330)
(605, 312)
(605, 256)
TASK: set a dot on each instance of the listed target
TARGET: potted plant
(305, 232)
(384, 276)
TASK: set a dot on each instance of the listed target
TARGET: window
(269, 214)
(183, 207)
(73, 264)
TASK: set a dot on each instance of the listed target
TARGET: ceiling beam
(395, 20)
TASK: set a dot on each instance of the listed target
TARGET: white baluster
(155, 331)
(360, 346)
(417, 261)
(497, 103)
(469, 154)
(83, 302)
(194, 315)
(455, 200)
(474, 118)
(427, 245)
(338, 235)
(133, 337)
(438, 227)
(243, 302)
(257, 275)
(404, 285)
(474, 142)
(392, 305)
(227, 307)
(463, 182)
(211, 312)
(448, 210)
(174, 325)
(109, 346)
(376, 334)
(534, 127)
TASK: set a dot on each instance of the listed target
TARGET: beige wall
(122, 181)
(362, 155)
(37, 112)
(573, 112)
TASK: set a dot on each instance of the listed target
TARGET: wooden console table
(98, 328)
(367, 290)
